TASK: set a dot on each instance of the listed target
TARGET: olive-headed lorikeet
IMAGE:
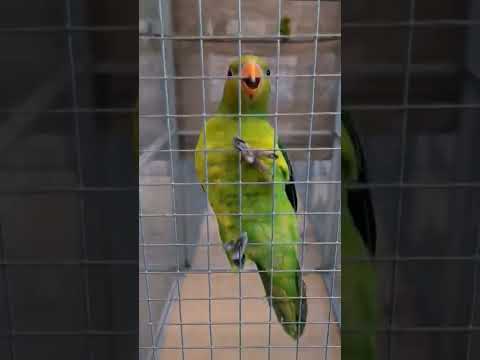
(264, 229)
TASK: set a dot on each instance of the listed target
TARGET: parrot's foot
(252, 156)
(237, 250)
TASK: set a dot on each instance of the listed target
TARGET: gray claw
(269, 154)
(251, 156)
(237, 250)
(239, 143)
(242, 147)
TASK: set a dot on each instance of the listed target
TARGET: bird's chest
(224, 163)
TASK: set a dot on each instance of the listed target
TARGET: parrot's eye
(268, 72)
(229, 72)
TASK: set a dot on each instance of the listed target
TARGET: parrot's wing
(360, 202)
(290, 187)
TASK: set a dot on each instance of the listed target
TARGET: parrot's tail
(291, 308)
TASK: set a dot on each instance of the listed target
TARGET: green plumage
(285, 26)
(271, 239)
(358, 237)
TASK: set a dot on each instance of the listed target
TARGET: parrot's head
(254, 76)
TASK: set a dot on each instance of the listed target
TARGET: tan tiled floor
(225, 314)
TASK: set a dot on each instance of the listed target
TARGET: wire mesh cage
(415, 107)
(192, 305)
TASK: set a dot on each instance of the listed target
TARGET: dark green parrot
(268, 240)
(358, 242)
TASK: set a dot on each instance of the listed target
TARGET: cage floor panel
(225, 315)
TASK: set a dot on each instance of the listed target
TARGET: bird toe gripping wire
(236, 250)
(251, 156)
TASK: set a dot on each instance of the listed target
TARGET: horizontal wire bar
(317, 113)
(223, 298)
(464, 259)
(373, 107)
(357, 107)
(349, 187)
(70, 28)
(413, 23)
(46, 189)
(249, 243)
(255, 40)
(293, 37)
(223, 77)
(231, 347)
(217, 269)
(435, 329)
(72, 110)
(326, 182)
(323, 148)
(153, 215)
(133, 110)
(291, 132)
(347, 260)
(229, 271)
(67, 262)
(206, 323)
(439, 328)
(398, 185)
(70, 333)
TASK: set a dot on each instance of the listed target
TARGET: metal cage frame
(172, 152)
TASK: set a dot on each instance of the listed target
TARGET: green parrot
(266, 239)
(358, 241)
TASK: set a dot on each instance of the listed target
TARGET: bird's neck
(231, 107)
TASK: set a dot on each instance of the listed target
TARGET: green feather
(285, 26)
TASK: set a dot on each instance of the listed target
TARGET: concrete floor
(224, 316)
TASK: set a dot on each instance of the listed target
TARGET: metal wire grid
(402, 185)
(180, 271)
(36, 105)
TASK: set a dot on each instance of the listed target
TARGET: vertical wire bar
(205, 156)
(147, 285)
(78, 154)
(332, 283)
(474, 298)
(403, 140)
(240, 202)
(169, 130)
(154, 354)
(275, 132)
(8, 302)
(309, 155)
(240, 205)
(337, 159)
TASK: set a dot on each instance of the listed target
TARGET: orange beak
(251, 74)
